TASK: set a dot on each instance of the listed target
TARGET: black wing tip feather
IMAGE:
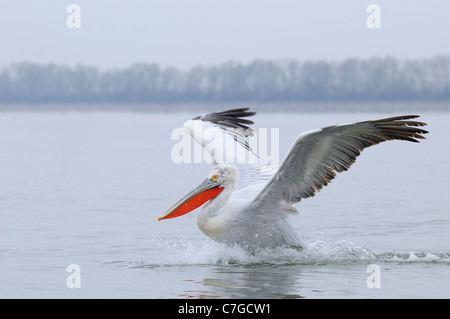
(240, 112)
(233, 118)
(401, 128)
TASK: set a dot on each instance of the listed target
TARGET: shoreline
(294, 107)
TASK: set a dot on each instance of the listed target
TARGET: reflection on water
(250, 282)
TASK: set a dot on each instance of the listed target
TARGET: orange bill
(203, 193)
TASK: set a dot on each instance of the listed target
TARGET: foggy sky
(192, 32)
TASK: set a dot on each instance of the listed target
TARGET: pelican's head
(226, 175)
(222, 177)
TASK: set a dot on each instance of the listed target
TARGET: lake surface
(86, 189)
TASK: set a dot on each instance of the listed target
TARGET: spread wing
(318, 155)
(224, 135)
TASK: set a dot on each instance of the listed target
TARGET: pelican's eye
(215, 177)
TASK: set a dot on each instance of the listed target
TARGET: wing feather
(317, 156)
(230, 144)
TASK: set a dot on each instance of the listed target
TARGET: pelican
(246, 202)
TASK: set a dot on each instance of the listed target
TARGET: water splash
(319, 252)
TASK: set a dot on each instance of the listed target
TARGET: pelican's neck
(209, 218)
(212, 207)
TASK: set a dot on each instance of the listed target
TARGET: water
(87, 188)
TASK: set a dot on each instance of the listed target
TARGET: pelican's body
(231, 219)
(247, 203)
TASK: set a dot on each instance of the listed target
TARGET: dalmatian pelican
(245, 202)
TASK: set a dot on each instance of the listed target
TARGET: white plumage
(246, 202)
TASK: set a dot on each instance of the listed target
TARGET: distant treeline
(375, 79)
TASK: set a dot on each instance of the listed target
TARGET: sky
(187, 33)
